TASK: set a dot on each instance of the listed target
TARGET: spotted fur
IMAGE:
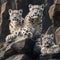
(16, 20)
(34, 18)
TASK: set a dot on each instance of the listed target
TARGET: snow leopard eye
(32, 9)
(17, 19)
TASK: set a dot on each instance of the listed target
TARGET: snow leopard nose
(35, 13)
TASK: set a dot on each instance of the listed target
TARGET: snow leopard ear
(42, 6)
(30, 5)
(52, 35)
(20, 11)
(10, 10)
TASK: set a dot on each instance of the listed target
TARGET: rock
(57, 34)
(19, 57)
(22, 57)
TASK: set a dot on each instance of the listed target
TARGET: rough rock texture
(20, 57)
(54, 14)
(58, 35)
